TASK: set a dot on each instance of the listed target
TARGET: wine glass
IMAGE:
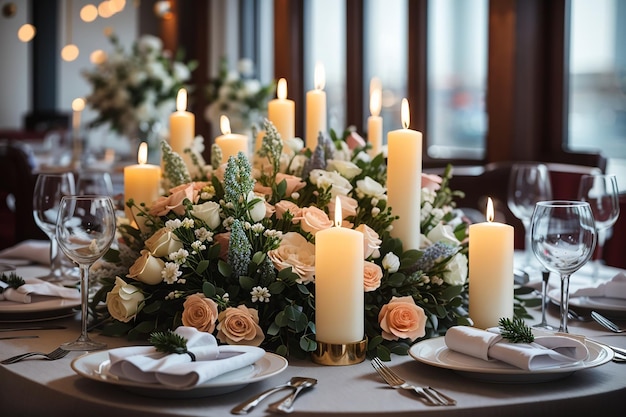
(602, 194)
(49, 189)
(85, 231)
(563, 237)
(94, 183)
(529, 183)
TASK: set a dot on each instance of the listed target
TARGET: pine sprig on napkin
(11, 281)
(168, 342)
(515, 330)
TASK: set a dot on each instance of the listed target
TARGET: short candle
(316, 109)
(281, 112)
(142, 181)
(230, 143)
(375, 122)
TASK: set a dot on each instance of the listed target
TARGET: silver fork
(606, 323)
(431, 395)
(58, 353)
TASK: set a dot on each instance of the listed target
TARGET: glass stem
(527, 243)
(55, 260)
(564, 302)
(84, 295)
(544, 294)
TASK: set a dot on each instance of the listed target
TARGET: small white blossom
(198, 246)
(171, 272)
(203, 235)
(180, 256)
(173, 224)
(260, 294)
(187, 223)
(391, 262)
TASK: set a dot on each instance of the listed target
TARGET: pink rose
(223, 239)
(354, 140)
(293, 183)
(430, 181)
(401, 318)
(372, 274)
(173, 202)
(240, 326)
(295, 252)
(284, 206)
(312, 220)
(371, 241)
(200, 312)
(348, 206)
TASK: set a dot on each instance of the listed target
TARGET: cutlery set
(285, 405)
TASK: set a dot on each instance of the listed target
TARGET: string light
(26, 32)
(70, 51)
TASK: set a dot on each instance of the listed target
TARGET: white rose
(163, 242)
(208, 212)
(391, 262)
(456, 270)
(443, 233)
(345, 168)
(257, 211)
(124, 301)
(147, 269)
(326, 179)
(369, 187)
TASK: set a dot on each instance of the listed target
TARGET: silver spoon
(250, 403)
(286, 404)
(606, 323)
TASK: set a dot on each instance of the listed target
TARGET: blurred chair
(17, 182)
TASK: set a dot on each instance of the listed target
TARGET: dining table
(36, 387)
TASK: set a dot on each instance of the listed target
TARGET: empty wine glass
(49, 189)
(602, 194)
(85, 231)
(563, 237)
(94, 183)
(529, 183)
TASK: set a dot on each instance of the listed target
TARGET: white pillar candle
(316, 109)
(78, 105)
(339, 300)
(230, 143)
(491, 248)
(182, 125)
(375, 122)
(404, 180)
(281, 112)
(141, 182)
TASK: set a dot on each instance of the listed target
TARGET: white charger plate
(41, 307)
(435, 352)
(95, 366)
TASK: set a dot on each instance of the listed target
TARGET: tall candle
(375, 122)
(78, 105)
(316, 109)
(141, 181)
(281, 112)
(230, 143)
(490, 271)
(339, 301)
(182, 125)
(404, 180)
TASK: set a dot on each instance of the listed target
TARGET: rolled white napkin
(613, 288)
(35, 286)
(144, 364)
(544, 352)
(31, 250)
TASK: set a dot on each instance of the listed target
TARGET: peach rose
(401, 318)
(312, 220)
(372, 274)
(223, 239)
(430, 181)
(200, 312)
(147, 269)
(348, 206)
(240, 326)
(173, 202)
(371, 241)
(163, 242)
(293, 183)
(295, 252)
(287, 206)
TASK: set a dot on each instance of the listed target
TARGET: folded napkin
(35, 286)
(144, 364)
(544, 352)
(613, 288)
(31, 250)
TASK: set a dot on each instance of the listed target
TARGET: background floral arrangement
(133, 90)
(231, 251)
(238, 95)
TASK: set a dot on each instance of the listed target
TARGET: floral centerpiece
(238, 95)
(133, 90)
(231, 251)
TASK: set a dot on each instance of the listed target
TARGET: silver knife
(17, 329)
(18, 337)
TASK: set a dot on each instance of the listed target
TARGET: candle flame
(224, 125)
(338, 216)
(376, 96)
(405, 114)
(319, 77)
(281, 90)
(490, 212)
(78, 104)
(142, 153)
(181, 100)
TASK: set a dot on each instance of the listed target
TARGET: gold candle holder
(338, 354)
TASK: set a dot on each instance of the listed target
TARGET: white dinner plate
(96, 365)
(435, 352)
(611, 307)
(41, 307)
